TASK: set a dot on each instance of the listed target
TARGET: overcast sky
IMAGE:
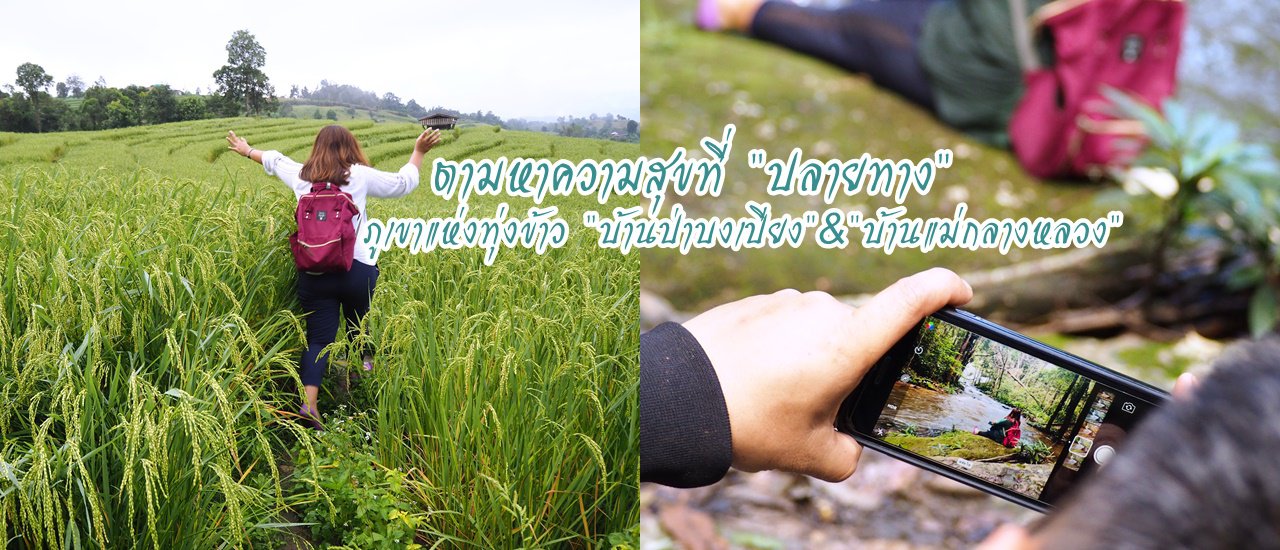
(517, 58)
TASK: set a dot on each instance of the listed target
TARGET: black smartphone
(993, 409)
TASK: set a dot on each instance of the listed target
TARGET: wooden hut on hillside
(439, 120)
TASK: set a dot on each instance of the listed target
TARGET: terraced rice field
(149, 337)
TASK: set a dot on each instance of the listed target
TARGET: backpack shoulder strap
(1022, 36)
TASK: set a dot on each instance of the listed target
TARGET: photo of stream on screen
(1001, 415)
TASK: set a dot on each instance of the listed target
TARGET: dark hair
(1202, 472)
(335, 150)
(1015, 414)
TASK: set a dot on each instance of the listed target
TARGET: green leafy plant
(1034, 452)
(360, 503)
(628, 539)
(1197, 162)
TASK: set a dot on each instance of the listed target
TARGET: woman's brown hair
(1015, 415)
(335, 150)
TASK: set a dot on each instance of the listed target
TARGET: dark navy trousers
(321, 297)
(875, 38)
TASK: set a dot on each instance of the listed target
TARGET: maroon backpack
(1012, 435)
(1063, 125)
(326, 237)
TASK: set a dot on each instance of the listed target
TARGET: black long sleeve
(685, 439)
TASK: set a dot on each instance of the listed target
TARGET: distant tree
(391, 102)
(61, 87)
(351, 112)
(120, 113)
(134, 91)
(55, 115)
(16, 114)
(93, 110)
(159, 105)
(633, 127)
(135, 94)
(241, 80)
(100, 82)
(192, 107)
(331, 115)
(316, 114)
(286, 109)
(293, 91)
(92, 113)
(75, 86)
(348, 95)
(221, 106)
(414, 109)
(32, 79)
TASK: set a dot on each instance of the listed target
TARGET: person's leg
(320, 305)
(720, 15)
(312, 395)
(875, 38)
(993, 434)
(357, 293)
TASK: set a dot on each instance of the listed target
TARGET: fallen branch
(1003, 458)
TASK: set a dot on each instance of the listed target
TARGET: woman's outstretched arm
(424, 143)
(239, 145)
(398, 184)
(275, 163)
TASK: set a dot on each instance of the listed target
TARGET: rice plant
(148, 349)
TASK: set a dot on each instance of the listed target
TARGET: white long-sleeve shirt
(361, 183)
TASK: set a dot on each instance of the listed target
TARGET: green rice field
(149, 339)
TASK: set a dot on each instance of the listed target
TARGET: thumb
(836, 458)
(1184, 386)
(892, 313)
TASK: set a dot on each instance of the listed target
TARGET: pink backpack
(326, 237)
(1063, 126)
(1012, 435)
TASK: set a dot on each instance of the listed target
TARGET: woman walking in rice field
(336, 159)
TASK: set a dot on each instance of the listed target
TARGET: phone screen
(987, 410)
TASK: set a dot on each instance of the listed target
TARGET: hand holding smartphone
(996, 410)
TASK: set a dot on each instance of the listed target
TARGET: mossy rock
(955, 444)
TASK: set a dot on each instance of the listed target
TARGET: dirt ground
(886, 504)
(1028, 479)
